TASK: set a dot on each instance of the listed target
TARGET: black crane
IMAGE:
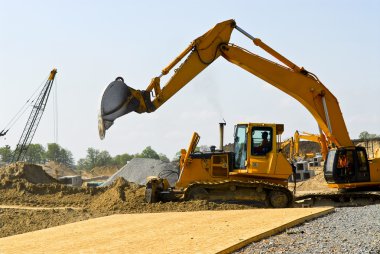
(34, 119)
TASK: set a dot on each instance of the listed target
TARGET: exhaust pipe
(221, 131)
(119, 99)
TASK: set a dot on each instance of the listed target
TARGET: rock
(138, 169)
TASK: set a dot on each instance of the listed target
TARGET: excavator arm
(321, 139)
(290, 142)
(119, 99)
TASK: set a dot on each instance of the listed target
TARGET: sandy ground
(120, 198)
(197, 232)
(18, 187)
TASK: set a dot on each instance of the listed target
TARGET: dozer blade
(119, 99)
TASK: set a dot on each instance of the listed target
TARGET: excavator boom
(120, 99)
(301, 85)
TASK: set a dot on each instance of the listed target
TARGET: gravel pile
(138, 169)
(348, 230)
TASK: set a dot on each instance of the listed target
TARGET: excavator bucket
(117, 100)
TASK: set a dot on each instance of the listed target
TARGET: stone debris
(138, 169)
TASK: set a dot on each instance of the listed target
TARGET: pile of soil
(23, 172)
(125, 197)
(121, 195)
(138, 169)
(28, 184)
(56, 170)
(315, 183)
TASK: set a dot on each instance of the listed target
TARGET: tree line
(37, 154)
(366, 135)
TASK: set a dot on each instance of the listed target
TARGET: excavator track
(346, 198)
(272, 195)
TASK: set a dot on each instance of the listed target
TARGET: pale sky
(93, 42)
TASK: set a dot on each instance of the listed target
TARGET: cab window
(240, 146)
(362, 161)
(262, 138)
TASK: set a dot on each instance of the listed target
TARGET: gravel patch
(138, 169)
(347, 230)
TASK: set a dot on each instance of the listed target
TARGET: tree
(35, 154)
(95, 158)
(163, 157)
(89, 162)
(365, 135)
(122, 159)
(53, 152)
(103, 159)
(6, 154)
(92, 155)
(66, 158)
(58, 154)
(148, 152)
(82, 164)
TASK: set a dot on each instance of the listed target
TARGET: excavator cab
(347, 165)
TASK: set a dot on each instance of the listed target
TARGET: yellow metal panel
(374, 166)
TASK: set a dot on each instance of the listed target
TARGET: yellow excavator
(320, 139)
(288, 142)
(250, 172)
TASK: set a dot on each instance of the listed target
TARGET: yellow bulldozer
(255, 171)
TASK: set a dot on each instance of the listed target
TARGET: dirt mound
(56, 170)
(121, 195)
(125, 197)
(316, 183)
(138, 169)
(21, 171)
(29, 184)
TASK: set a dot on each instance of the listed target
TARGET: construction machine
(244, 173)
(288, 142)
(320, 139)
(38, 108)
(255, 171)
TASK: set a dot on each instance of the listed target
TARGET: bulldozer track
(260, 186)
